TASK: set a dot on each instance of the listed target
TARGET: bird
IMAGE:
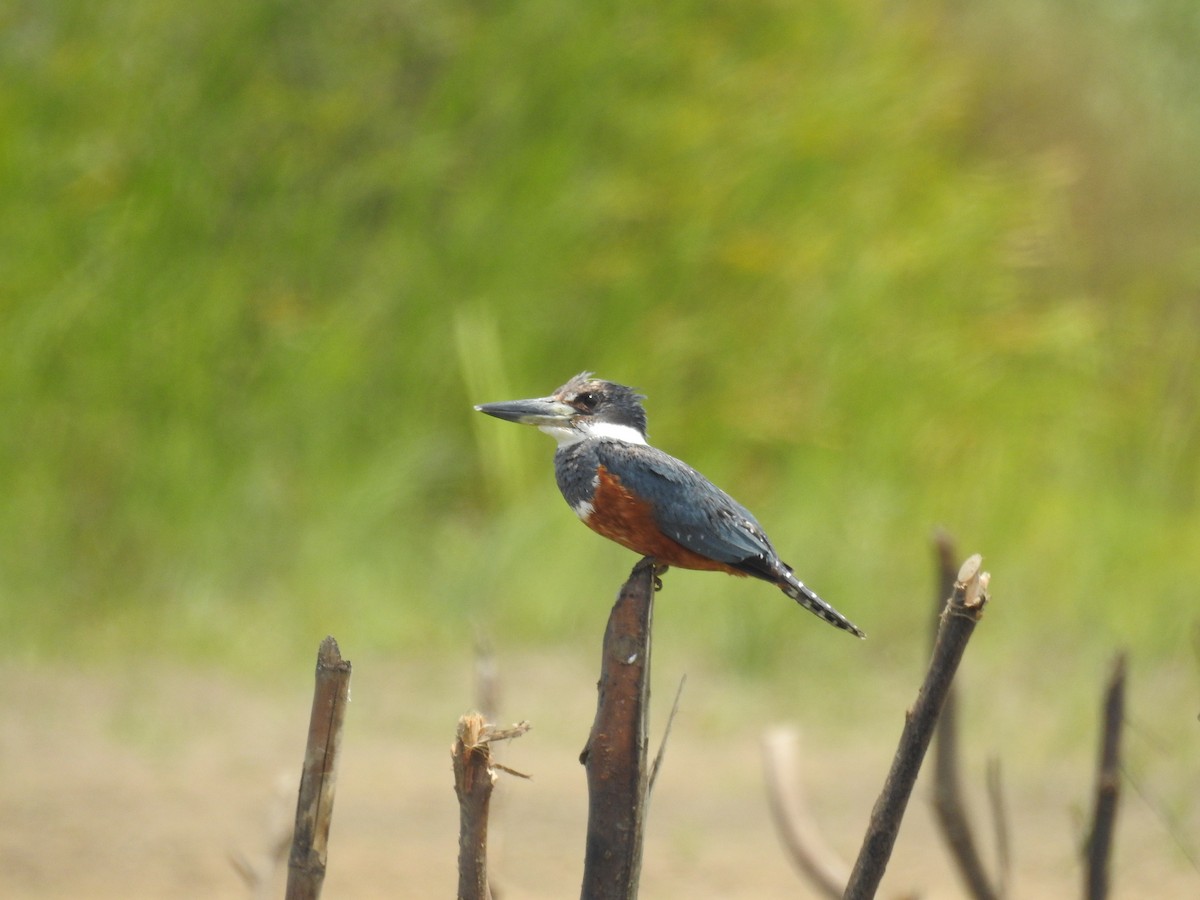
(645, 499)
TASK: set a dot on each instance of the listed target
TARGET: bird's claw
(659, 571)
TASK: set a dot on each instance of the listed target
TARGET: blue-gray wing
(689, 508)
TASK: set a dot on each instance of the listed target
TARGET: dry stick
(948, 801)
(958, 622)
(473, 782)
(1108, 783)
(806, 846)
(314, 808)
(474, 778)
(617, 749)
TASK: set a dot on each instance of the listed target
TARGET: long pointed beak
(541, 412)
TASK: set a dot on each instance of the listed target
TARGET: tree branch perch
(617, 750)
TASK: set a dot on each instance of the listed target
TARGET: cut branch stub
(948, 802)
(474, 778)
(473, 782)
(314, 808)
(963, 611)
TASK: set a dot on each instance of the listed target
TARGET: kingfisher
(645, 499)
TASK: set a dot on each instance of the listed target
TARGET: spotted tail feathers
(796, 589)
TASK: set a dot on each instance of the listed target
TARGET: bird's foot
(659, 571)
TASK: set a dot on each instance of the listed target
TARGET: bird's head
(584, 407)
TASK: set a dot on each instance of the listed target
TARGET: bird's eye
(587, 399)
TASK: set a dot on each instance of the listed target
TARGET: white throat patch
(567, 436)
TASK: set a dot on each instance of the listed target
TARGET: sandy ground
(146, 784)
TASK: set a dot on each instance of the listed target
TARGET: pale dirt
(145, 783)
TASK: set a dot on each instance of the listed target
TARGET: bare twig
(949, 805)
(995, 787)
(805, 844)
(948, 802)
(314, 808)
(474, 778)
(259, 872)
(963, 611)
(662, 745)
(1108, 784)
(617, 748)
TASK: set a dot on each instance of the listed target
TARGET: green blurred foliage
(876, 267)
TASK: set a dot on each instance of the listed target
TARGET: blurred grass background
(877, 266)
